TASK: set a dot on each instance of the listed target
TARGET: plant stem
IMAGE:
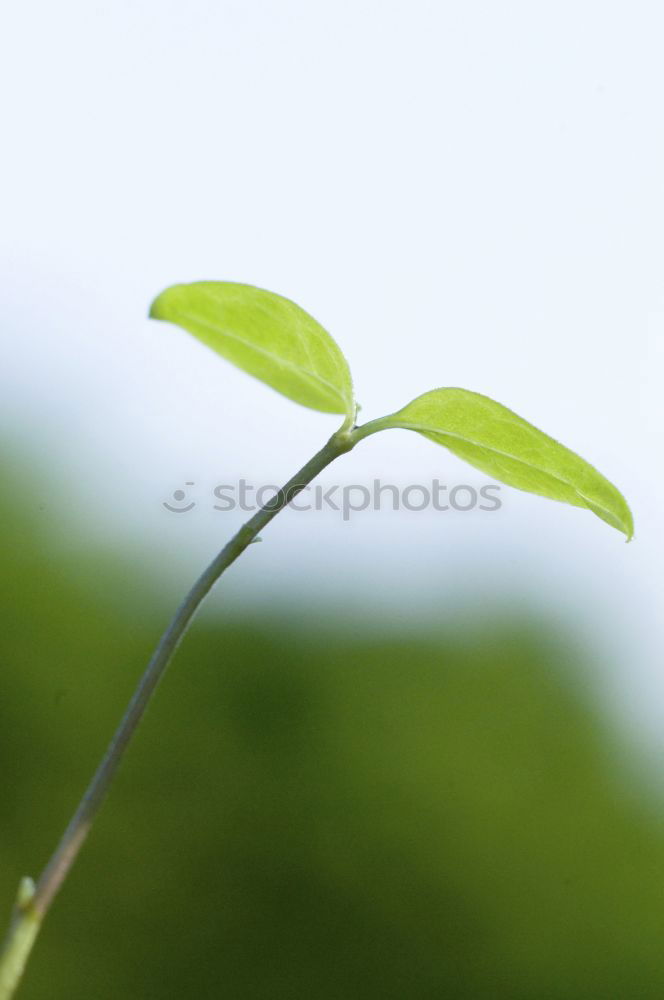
(34, 902)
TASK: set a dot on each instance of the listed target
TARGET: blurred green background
(311, 810)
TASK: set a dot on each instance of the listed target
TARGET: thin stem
(32, 907)
(372, 427)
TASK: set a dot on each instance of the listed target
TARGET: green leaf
(497, 441)
(265, 335)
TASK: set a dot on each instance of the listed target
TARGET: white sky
(463, 194)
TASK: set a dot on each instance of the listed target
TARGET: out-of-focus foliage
(308, 815)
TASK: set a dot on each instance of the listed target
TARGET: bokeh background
(414, 754)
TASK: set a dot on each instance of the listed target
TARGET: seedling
(274, 340)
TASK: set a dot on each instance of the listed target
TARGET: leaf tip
(157, 306)
(627, 525)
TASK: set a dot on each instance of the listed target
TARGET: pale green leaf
(508, 448)
(265, 335)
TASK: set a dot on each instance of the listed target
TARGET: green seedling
(276, 341)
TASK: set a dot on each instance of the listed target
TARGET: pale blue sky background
(464, 194)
